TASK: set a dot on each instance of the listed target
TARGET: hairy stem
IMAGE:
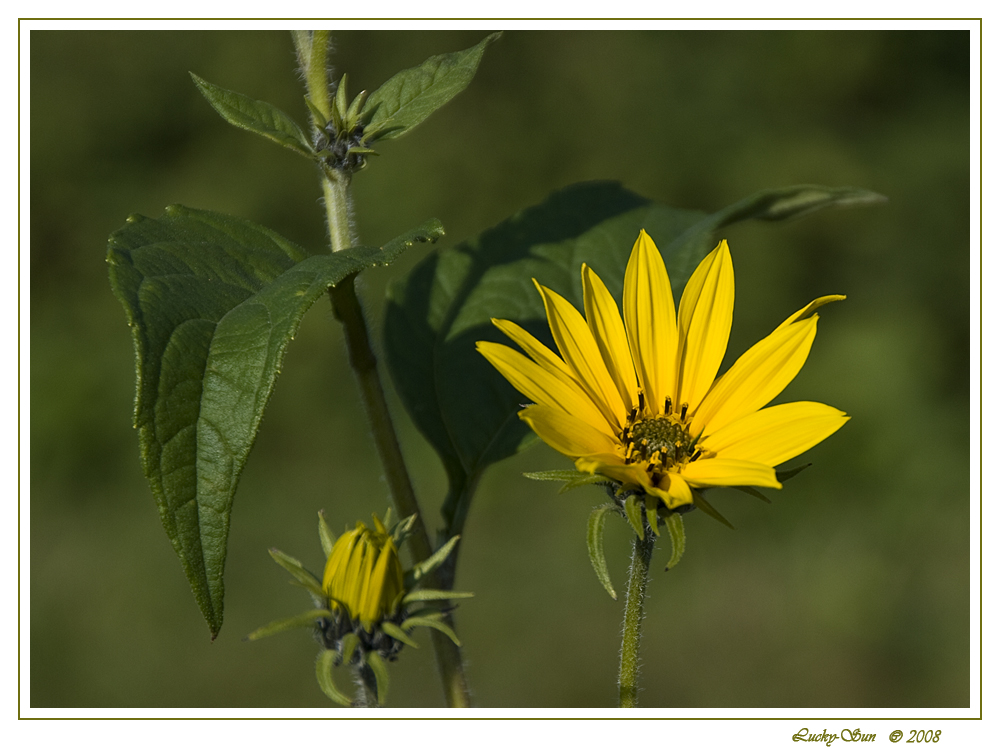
(366, 688)
(628, 672)
(347, 309)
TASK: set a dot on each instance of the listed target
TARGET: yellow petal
(812, 307)
(336, 564)
(567, 434)
(579, 351)
(728, 472)
(611, 465)
(542, 386)
(650, 322)
(703, 322)
(368, 607)
(533, 347)
(756, 377)
(609, 332)
(676, 491)
(772, 436)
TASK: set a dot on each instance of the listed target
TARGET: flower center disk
(663, 440)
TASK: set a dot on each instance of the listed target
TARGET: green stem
(347, 309)
(628, 672)
(366, 688)
(312, 48)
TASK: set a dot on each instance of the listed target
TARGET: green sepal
(675, 525)
(302, 576)
(634, 515)
(754, 492)
(431, 622)
(256, 116)
(362, 150)
(571, 477)
(341, 99)
(652, 513)
(324, 676)
(595, 545)
(355, 108)
(431, 613)
(377, 665)
(703, 505)
(319, 117)
(393, 630)
(431, 563)
(401, 529)
(412, 95)
(428, 595)
(348, 645)
(303, 620)
(786, 474)
(326, 535)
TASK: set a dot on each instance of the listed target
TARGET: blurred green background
(851, 589)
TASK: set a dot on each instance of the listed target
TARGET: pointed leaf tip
(412, 95)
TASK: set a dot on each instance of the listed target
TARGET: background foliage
(851, 589)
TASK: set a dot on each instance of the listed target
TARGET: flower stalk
(347, 309)
(635, 596)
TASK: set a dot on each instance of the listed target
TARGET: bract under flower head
(363, 574)
(633, 395)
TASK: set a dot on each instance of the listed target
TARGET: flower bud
(363, 575)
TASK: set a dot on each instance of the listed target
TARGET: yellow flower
(363, 575)
(637, 400)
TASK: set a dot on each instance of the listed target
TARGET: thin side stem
(628, 671)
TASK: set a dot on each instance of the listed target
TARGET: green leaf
(703, 505)
(394, 631)
(595, 545)
(426, 595)
(410, 96)
(794, 202)
(571, 477)
(304, 620)
(634, 515)
(326, 536)
(212, 302)
(675, 525)
(299, 573)
(324, 676)
(431, 622)
(256, 116)
(377, 664)
(464, 407)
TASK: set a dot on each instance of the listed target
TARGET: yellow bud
(363, 574)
